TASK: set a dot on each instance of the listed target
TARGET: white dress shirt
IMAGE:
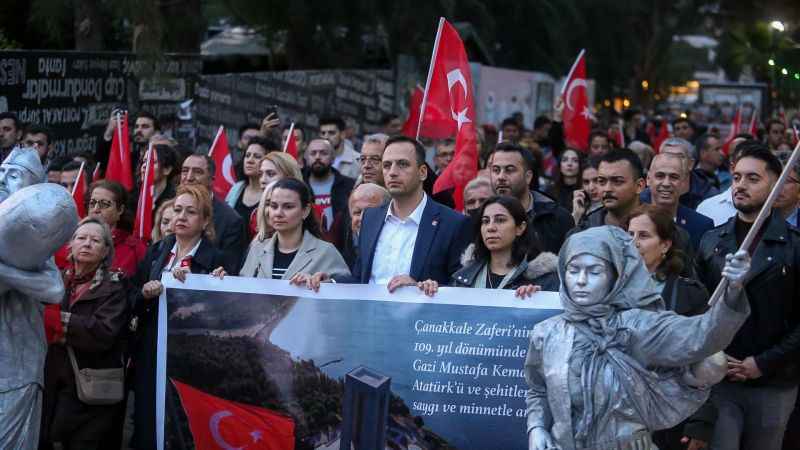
(719, 207)
(395, 245)
(187, 257)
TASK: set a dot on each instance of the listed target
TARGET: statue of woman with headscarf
(615, 365)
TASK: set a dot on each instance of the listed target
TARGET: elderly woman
(90, 321)
(106, 201)
(295, 247)
(188, 250)
(498, 259)
(615, 366)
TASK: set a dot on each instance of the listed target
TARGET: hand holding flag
(119, 159)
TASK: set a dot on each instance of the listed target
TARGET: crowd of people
(361, 209)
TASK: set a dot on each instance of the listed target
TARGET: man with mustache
(511, 172)
(331, 189)
(620, 178)
(667, 174)
(758, 395)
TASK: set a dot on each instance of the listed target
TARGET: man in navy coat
(412, 238)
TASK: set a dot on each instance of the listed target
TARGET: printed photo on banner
(260, 364)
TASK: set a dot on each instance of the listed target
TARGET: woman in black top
(188, 250)
(568, 178)
(498, 258)
(653, 232)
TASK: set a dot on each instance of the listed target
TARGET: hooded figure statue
(615, 366)
(35, 220)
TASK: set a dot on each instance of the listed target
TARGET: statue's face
(12, 179)
(588, 279)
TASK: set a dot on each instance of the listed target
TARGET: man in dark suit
(229, 228)
(667, 174)
(412, 238)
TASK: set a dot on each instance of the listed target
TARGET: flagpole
(288, 136)
(763, 215)
(80, 175)
(569, 75)
(145, 186)
(119, 136)
(430, 75)
(216, 138)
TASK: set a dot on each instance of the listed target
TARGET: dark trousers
(751, 417)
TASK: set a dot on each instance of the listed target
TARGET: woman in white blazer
(295, 245)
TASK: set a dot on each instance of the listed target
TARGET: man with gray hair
(696, 189)
(370, 159)
(365, 195)
(36, 218)
(668, 172)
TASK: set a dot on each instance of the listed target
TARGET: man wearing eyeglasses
(370, 159)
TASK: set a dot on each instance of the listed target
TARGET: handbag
(98, 386)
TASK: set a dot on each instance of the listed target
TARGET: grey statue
(615, 366)
(35, 220)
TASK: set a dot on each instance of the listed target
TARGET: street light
(771, 62)
(778, 25)
(784, 71)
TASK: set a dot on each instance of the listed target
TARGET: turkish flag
(218, 424)
(437, 123)
(736, 126)
(290, 146)
(224, 178)
(96, 173)
(119, 161)
(79, 192)
(753, 128)
(449, 88)
(143, 224)
(577, 115)
(663, 135)
(795, 135)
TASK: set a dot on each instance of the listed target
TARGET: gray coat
(630, 354)
(314, 255)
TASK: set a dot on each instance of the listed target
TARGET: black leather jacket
(772, 332)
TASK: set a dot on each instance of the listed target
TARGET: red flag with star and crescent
(449, 88)
(577, 117)
(736, 128)
(218, 424)
(225, 177)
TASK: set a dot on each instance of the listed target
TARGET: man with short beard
(755, 400)
(331, 189)
(511, 173)
(620, 180)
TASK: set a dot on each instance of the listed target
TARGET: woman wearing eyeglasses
(106, 201)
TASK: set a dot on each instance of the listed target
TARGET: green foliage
(6, 43)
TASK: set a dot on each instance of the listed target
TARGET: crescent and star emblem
(213, 424)
(453, 77)
(575, 84)
(227, 170)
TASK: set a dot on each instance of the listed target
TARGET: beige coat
(314, 255)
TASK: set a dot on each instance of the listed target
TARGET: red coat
(128, 252)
